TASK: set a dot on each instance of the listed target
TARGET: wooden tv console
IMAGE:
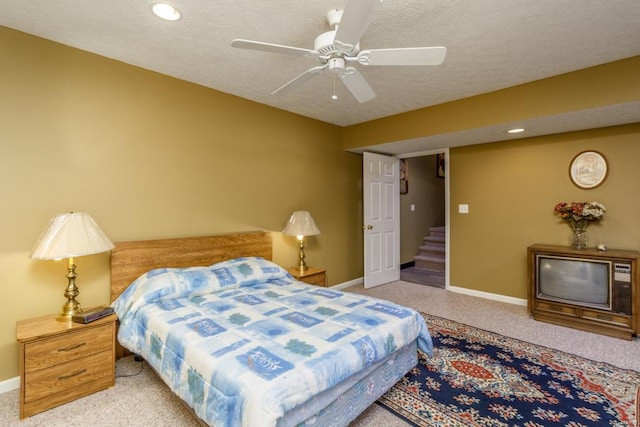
(582, 316)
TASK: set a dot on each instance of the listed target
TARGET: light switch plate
(463, 209)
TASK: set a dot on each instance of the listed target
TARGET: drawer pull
(72, 347)
(75, 374)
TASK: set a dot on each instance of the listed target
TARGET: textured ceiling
(492, 44)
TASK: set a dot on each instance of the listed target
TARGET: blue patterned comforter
(242, 342)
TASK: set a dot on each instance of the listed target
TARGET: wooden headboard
(129, 260)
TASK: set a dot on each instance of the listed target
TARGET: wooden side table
(312, 275)
(63, 361)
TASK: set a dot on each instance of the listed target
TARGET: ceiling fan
(339, 48)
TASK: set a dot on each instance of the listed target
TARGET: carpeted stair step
(435, 239)
(432, 250)
(427, 262)
(437, 231)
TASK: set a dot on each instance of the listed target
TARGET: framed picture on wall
(588, 169)
(404, 186)
(404, 177)
(440, 165)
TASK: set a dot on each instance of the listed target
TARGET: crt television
(596, 283)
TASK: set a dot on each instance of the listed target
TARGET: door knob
(367, 227)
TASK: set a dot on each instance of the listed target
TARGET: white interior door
(381, 187)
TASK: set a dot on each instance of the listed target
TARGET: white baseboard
(353, 282)
(487, 295)
(9, 385)
(466, 291)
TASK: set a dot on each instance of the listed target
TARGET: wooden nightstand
(63, 361)
(312, 275)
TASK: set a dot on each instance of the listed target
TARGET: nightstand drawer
(317, 279)
(63, 348)
(311, 275)
(67, 376)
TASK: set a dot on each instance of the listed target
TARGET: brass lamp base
(72, 306)
(68, 312)
(301, 264)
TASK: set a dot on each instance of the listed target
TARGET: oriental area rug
(479, 378)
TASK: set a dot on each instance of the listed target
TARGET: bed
(243, 343)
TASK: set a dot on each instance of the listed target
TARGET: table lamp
(301, 224)
(68, 236)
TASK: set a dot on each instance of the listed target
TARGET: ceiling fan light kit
(340, 46)
(336, 65)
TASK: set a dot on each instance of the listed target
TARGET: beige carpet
(143, 400)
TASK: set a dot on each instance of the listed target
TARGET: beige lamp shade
(71, 235)
(301, 223)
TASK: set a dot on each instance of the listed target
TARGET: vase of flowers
(578, 215)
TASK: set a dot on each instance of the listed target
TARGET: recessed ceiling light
(516, 130)
(166, 11)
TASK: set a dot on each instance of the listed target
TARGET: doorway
(418, 173)
(423, 220)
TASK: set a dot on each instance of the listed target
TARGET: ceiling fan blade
(300, 79)
(270, 47)
(357, 85)
(356, 17)
(403, 56)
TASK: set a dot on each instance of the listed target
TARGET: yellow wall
(512, 188)
(149, 156)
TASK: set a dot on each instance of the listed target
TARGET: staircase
(429, 268)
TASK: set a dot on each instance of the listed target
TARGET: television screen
(574, 280)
